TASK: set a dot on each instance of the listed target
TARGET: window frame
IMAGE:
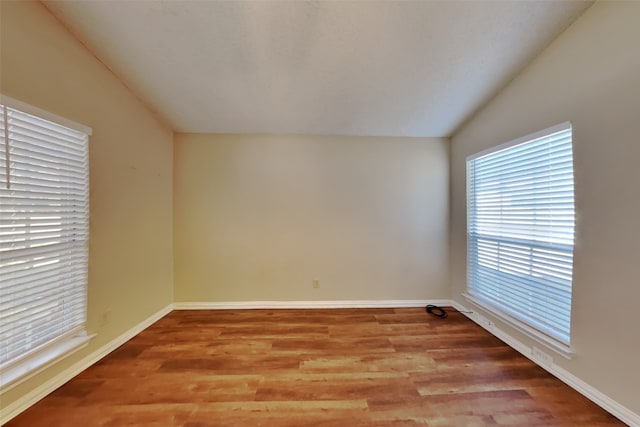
(39, 358)
(538, 334)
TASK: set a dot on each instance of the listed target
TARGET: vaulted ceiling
(398, 68)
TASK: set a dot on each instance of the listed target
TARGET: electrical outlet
(484, 322)
(316, 283)
(544, 359)
(488, 324)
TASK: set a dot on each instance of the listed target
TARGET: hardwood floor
(355, 367)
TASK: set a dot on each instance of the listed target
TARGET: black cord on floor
(440, 312)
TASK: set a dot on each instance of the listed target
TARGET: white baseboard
(623, 413)
(29, 399)
(15, 408)
(247, 305)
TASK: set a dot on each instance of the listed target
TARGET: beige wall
(130, 165)
(260, 217)
(591, 77)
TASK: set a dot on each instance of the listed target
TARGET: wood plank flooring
(347, 367)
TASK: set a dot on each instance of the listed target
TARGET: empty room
(336, 213)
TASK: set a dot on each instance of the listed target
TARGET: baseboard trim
(29, 399)
(623, 413)
(249, 305)
(601, 399)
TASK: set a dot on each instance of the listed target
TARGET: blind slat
(44, 230)
(520, 231)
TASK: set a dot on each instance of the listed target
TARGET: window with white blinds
(44, 231)
(520, 232)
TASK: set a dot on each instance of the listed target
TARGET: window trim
(522, 139)
(42, 357)
(564, 349)
(522, 327)
(44, 114)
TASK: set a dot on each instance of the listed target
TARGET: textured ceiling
(400, 68)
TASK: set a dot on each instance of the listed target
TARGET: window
(520, 232)
(44, 216)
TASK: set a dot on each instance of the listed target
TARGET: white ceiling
(400, 68)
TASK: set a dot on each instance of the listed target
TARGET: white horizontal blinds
(521, 231)
(43, 233)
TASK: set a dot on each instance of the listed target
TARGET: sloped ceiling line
(379, 68)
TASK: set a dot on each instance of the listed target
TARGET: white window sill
(557, 346)
(26, 368)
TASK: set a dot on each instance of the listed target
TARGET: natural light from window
(520, 233)
(44, 232)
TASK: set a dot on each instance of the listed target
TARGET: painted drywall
(130, 263)
(590, 76)
(260, 217)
